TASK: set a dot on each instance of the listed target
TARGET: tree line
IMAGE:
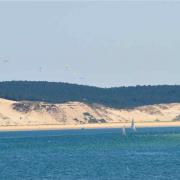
(117, 97)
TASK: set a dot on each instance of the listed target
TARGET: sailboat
(123, 131)
(133, 127)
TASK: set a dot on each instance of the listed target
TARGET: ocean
(91, 154)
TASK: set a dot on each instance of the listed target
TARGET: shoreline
(87, 126)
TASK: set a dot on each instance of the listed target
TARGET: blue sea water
(149, 154)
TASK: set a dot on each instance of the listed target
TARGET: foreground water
(149, 154)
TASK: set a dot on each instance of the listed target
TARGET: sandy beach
(87, 126)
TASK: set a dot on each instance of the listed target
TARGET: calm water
(150, 154)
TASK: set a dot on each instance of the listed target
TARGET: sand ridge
(30, 114)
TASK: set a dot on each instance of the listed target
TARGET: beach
(87, 126)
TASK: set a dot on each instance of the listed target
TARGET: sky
(92, 43)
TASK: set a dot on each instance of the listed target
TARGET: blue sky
(95, 43)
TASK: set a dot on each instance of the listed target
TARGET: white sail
(123, 131)
(133, 127)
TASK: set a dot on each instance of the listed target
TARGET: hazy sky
(95, 43)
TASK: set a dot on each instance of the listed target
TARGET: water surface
(149, 154)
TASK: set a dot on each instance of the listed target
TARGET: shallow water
(149, 154)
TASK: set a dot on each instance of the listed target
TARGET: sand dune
(25, 113)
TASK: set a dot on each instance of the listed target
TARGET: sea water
(148, 154)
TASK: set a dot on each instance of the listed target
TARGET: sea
(91, 154)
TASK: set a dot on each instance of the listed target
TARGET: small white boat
(123, 131)
(133, 127)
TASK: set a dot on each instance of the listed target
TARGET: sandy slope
(30, 114)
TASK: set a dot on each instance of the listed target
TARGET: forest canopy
(117, 97)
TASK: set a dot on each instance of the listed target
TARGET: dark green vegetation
(121, 97)
(91, 119)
